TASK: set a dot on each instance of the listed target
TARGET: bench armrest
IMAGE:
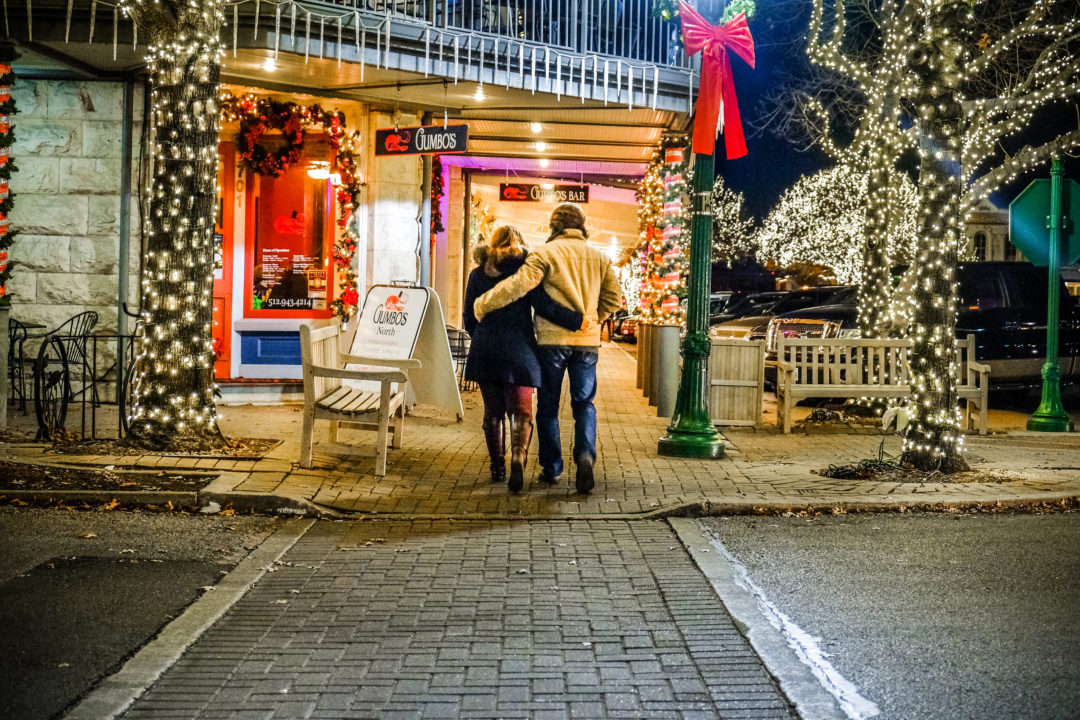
(379, 375)
(403, 364)
(979, 367)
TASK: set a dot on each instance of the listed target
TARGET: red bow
(716, 81)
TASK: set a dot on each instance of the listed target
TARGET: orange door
(223, 235)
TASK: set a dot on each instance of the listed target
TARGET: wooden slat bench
(845, 367)
(327, 397)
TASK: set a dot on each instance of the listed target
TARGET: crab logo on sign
(391, 313)
(397, 142)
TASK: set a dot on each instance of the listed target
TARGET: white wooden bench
(846, 367)
(328, 397)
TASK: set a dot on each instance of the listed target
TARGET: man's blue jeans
(581, 366)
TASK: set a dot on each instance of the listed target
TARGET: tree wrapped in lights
(821, 220)
(174, 388)
(733, 231)
(933, 438)
(965, 83)
(665, 248)
(650, 211)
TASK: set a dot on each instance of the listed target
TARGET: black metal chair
(62, 359)
(459, 351)
(17, 333)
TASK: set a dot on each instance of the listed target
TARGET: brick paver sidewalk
(442, 469)
(481, 619)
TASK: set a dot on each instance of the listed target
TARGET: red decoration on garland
(283, 117)
(717, 85)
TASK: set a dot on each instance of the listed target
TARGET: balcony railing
(615, 28)
(601, 49)
(613, 50)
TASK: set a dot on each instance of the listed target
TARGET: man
(580, 277)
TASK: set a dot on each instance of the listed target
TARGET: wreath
(274, 116)
(256, 116)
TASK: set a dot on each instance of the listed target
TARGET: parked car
(1003, 304)
(741, 305)
(753, 327)
(718, 301)
(624, 329)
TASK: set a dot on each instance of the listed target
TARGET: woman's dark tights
(500, 400)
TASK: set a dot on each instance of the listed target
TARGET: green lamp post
(691, 433)
(1026, 231)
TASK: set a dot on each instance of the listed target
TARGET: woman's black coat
(503, 347)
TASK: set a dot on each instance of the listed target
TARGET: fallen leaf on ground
(89, 536)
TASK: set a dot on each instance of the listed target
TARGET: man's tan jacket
(574, 274)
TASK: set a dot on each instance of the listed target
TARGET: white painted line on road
(791, 654)
(118, 691)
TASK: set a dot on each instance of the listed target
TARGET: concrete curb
(131, 497)
(795, 679)
(118, 691)
(271, 504)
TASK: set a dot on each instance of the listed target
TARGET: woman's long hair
(506, 243)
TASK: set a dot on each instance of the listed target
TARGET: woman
(502, 355)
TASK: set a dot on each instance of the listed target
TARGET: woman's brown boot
(521, 427)
(495, 435)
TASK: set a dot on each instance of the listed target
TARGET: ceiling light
(319, 170)
(269, 65)
(479, 96)
(544, 162)
(536, 127)
(541, 146)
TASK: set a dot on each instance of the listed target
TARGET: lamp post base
(699, 446)
(1050, 415)
(1049, 423)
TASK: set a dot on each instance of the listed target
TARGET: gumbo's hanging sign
(524, 192)
(425, 140)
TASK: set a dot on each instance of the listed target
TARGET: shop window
(1010, 251)
(979, 246)
(290, 229)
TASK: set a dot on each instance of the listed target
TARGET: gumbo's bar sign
(429, 139)
(525, 192)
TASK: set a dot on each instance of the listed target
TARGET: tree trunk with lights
(174, 387)
(933, 440)
(875, 282)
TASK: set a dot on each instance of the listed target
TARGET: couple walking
(572, 288)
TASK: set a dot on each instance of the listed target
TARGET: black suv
(1003, 304)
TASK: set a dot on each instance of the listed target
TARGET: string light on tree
(174, 387)
(968, 80)
(733, 230)
(665, 227)
(821, 220)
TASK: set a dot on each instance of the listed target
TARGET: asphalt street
(81, 591)
(930, 617)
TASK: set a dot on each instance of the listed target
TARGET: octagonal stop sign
(1028, 215)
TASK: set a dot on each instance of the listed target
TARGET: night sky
(773, 165)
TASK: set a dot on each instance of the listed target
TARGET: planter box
(736, 381)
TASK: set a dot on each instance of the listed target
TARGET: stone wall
(394, 201)
(67, 204)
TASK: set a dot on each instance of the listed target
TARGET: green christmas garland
(7, 139)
